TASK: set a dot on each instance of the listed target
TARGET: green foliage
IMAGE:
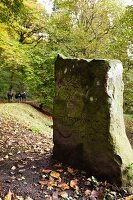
(31, 39)
(35, 129)
(40, 78)
(13, 61)
(82, 27)
(9, 9)
(17, 43)
(30, 25)
(128, 173)
(122, 49)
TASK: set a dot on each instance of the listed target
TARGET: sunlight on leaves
(55, 174)
(64, 186)
(8, 196)
(129, 197)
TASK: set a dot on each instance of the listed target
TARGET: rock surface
(89, 129)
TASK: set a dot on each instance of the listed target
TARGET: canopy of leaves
(10, 9)
(32, 38)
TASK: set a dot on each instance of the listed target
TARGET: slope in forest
(27, 168)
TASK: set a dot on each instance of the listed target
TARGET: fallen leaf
(19, 198)
(21, 170)
(104, 183)
(13, 177)
(28, 198)
(14, 197)
(49, 187)
(87, 192)
(55, 174)
(43, 182)
(129, 197)
(51, 179)
(48, 197)
(60, 170)
(72, 171)
(46, 171)
(51, 183)
(77, 189)
(20, 166)
(22, 178)
(6, 157)
(64, 186)
(73, 183)
(8, 195)
(10, 154)
(13, 168)
(33, 167)
(96, 193)
(94, 181)
(59, 180)
(63, 194)
(58, 165)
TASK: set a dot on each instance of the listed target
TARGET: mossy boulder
(89, 130)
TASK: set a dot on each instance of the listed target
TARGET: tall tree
(16, 40)
(84, 27)
(123, 48)
(88, 28)
(9, 9)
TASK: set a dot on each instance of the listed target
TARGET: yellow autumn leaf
(63, 186)
(55, 174)
(129, 197)
(51, 183)
(8, 196)
(49, 187)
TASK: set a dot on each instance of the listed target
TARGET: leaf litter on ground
(28, 171)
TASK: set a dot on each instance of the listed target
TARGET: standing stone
(89, 129)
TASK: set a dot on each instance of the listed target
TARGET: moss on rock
(89, 128)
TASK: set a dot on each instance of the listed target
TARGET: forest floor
(27, 169)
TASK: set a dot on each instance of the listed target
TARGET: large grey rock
(89, 129)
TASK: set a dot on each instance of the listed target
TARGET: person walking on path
(18, 97)
(23, 96)
(10, 95)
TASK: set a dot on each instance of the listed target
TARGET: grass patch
(27, 116)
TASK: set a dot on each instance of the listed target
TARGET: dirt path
(28, 169)
(23, 152)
